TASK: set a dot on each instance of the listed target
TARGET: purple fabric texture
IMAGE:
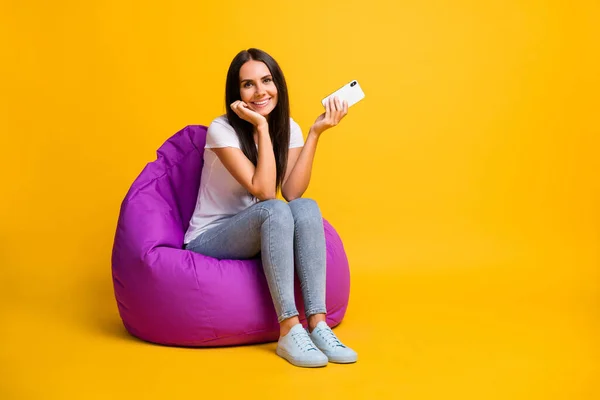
(172, 296)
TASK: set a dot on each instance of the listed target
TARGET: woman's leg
(311, 257)
(266, 227)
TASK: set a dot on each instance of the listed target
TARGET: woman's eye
(268, 80)
(247, 84)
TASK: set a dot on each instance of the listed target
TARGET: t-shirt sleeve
(221, 134)
(296, 138)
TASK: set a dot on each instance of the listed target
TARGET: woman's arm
(260, 181)
(300, 160)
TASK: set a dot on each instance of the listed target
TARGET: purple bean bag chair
(172, 296)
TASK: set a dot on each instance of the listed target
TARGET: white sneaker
(324, 338)
(298, 349)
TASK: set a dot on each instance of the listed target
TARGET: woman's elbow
(290, 196)
(266, 195)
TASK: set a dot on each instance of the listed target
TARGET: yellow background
(465, 187)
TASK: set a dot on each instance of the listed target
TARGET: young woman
(250, 154)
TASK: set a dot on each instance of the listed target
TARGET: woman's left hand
(335, 110)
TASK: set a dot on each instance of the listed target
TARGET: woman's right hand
(244, 112)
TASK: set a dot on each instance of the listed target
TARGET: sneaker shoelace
(330, 338)
(303, 341)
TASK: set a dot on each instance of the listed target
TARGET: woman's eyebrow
(251, 80)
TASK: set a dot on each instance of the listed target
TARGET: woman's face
(257, 88)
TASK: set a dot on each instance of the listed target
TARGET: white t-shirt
(220, 195)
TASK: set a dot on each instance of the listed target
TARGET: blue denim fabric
(285, 234)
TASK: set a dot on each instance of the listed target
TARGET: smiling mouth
(260, 104)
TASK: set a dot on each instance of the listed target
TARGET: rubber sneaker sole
(300, 363)
(343, 359)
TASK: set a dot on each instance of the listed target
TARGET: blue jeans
(285, 234)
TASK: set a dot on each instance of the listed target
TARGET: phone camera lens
(353, 83)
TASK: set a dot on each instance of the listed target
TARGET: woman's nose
(260, 90)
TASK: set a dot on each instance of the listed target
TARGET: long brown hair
(279, 118)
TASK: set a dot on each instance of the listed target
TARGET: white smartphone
(351, 92)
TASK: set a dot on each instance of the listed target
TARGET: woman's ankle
(314, 320)
(287, 324)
